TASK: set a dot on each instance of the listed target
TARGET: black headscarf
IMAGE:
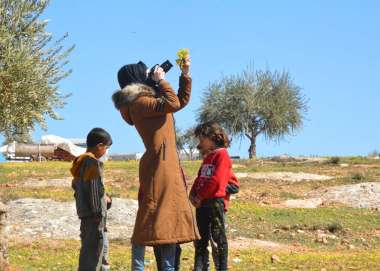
(132, 73)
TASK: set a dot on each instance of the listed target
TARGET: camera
(166, 66)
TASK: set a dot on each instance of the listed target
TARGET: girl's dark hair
(98, 135)
(213, 131)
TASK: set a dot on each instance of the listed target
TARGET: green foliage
(253, 103)
(31, 65)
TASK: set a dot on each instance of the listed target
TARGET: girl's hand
(185, 68)
(195, 201)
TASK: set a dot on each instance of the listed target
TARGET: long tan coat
(165, 214)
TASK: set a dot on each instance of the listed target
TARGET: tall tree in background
(31, 65)
(187, 142)
(254, 103)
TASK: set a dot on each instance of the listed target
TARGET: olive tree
(31, 65)
(254, 103)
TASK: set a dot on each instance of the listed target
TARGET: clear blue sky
(331, 48)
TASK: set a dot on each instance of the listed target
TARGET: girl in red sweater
(208, 195)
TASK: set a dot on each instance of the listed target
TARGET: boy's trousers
(211, 226)
(91, 252)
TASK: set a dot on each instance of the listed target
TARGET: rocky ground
(31, 218)
(46, 218)
(361, 195)
(284, 176)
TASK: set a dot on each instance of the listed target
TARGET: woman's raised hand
(185, 68)
(158, 74)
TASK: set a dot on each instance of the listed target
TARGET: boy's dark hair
(213, 131)
(98, 135)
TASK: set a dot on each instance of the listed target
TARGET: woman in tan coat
(164, 217)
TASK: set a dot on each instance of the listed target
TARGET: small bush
(358, 176)
(334, 160)
(334, 227)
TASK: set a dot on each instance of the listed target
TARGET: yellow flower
(182, 54)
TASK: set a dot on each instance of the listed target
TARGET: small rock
(260, 236)
(236, 260)
(351, 247)
(275, 259)
(321, 238)
(285, 227)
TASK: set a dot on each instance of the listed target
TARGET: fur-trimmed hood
(128, 95)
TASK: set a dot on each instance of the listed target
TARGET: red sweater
(213, 176)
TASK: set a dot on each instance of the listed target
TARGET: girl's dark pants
(211, 225)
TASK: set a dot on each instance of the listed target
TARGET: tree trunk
(252, 147)
(3, 239)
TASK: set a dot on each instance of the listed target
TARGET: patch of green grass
(281, 224)
(253, 259)
(54, 193)
(356, 160)
(44, 255)
(15, 172)
(49, 255)
(288, 195)
(126, 190)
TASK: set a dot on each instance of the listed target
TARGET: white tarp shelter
(58, 142)
(63, 143)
